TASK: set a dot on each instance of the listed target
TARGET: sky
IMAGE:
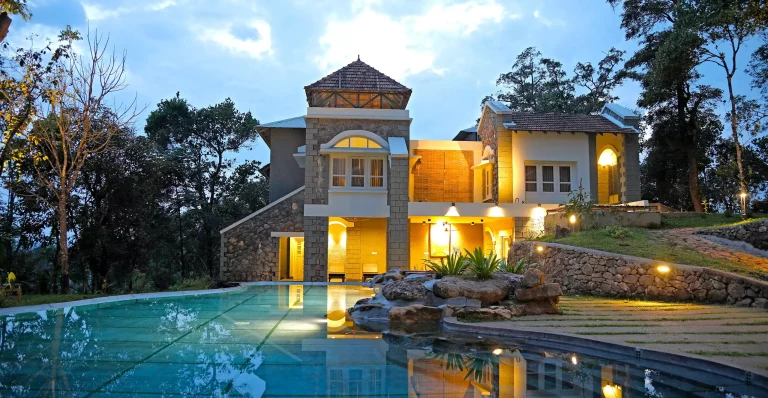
(261, 54)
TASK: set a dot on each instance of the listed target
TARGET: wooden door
(297, 259)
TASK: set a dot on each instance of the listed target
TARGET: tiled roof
(292, 123)
(358, 76)
(525, 121)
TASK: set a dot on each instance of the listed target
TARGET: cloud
(548, 22)
(406, 45)
(227, 38)
(95, 12)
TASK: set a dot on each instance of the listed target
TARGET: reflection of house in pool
(335, 359)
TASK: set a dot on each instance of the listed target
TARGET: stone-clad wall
(320, 131)
(754, 233)
(592, 272)
(398, 247)
(249, 252)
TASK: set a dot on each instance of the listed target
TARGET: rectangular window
(358, 172)
(487, 183)
(548, 178)
(339, 170)
(530, 179)
(377, 173)
(565, 179)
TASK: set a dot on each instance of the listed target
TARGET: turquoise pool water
(295, 341)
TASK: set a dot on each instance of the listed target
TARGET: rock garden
(471, 287)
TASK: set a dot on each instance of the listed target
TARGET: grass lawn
(640, 243)
(37, 299)
(705, 221)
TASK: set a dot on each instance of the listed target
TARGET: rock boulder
(539, 293)
(532, 278)
(489, 291)
(409, 289)
(485, 314)
(413, 314)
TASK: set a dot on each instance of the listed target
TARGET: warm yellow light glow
(607, 158)
(663, 269)
(539, 249)
(452, 212)
(496, 211)
(572, 219)
(497, 351)
(610, 391)
(574, 360)
(538, 212)
(743, 195)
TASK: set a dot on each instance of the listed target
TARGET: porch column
(630, 169)
(593, 190)
(398, 247)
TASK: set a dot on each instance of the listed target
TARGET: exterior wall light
(662, 269)
(452, 211)
(574, 360)
(572, 219)
(611, 391)
(473, 223)
(539, 248)
(497, 351)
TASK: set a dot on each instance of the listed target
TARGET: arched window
(357, 142)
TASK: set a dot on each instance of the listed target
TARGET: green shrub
(196, 283)
(518, 267)
(454, 264)
(141, 283)
(579, 204)
(617, 232)
(481, 266)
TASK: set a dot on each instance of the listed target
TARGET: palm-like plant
(518, 267)
(454, 264)
(482, 266)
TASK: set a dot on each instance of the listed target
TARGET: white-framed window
(531, 183)
(358, 172)
(565, 179)
(376, 173)
(548, 179)
(355, 171)
(555, 178)
(487, 183)
(339, 172)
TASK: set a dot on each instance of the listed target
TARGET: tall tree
(76, 125)
(666, 65)
(726, 26)
(27, 76)
(536, 84)
(12, 7)
(204, 140)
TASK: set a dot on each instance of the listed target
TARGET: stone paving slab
(729, 335)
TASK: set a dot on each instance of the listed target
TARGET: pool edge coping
(452, 324)
(142, 296)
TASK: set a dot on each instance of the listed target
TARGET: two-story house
(351, 195)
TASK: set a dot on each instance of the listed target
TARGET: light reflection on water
(289, 340)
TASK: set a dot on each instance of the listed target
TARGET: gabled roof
(292, 123)
(265, 130)
(358, 76)
(558, 122)
(463, 134)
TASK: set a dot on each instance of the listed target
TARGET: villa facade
(351, 195)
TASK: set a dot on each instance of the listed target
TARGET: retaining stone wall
(754, 233)
(249, 252)
(597, 273)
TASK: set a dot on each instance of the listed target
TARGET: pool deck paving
(729, 335)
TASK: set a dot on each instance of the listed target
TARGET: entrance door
(296, 269)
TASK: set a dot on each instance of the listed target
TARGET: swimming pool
(293, 340)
